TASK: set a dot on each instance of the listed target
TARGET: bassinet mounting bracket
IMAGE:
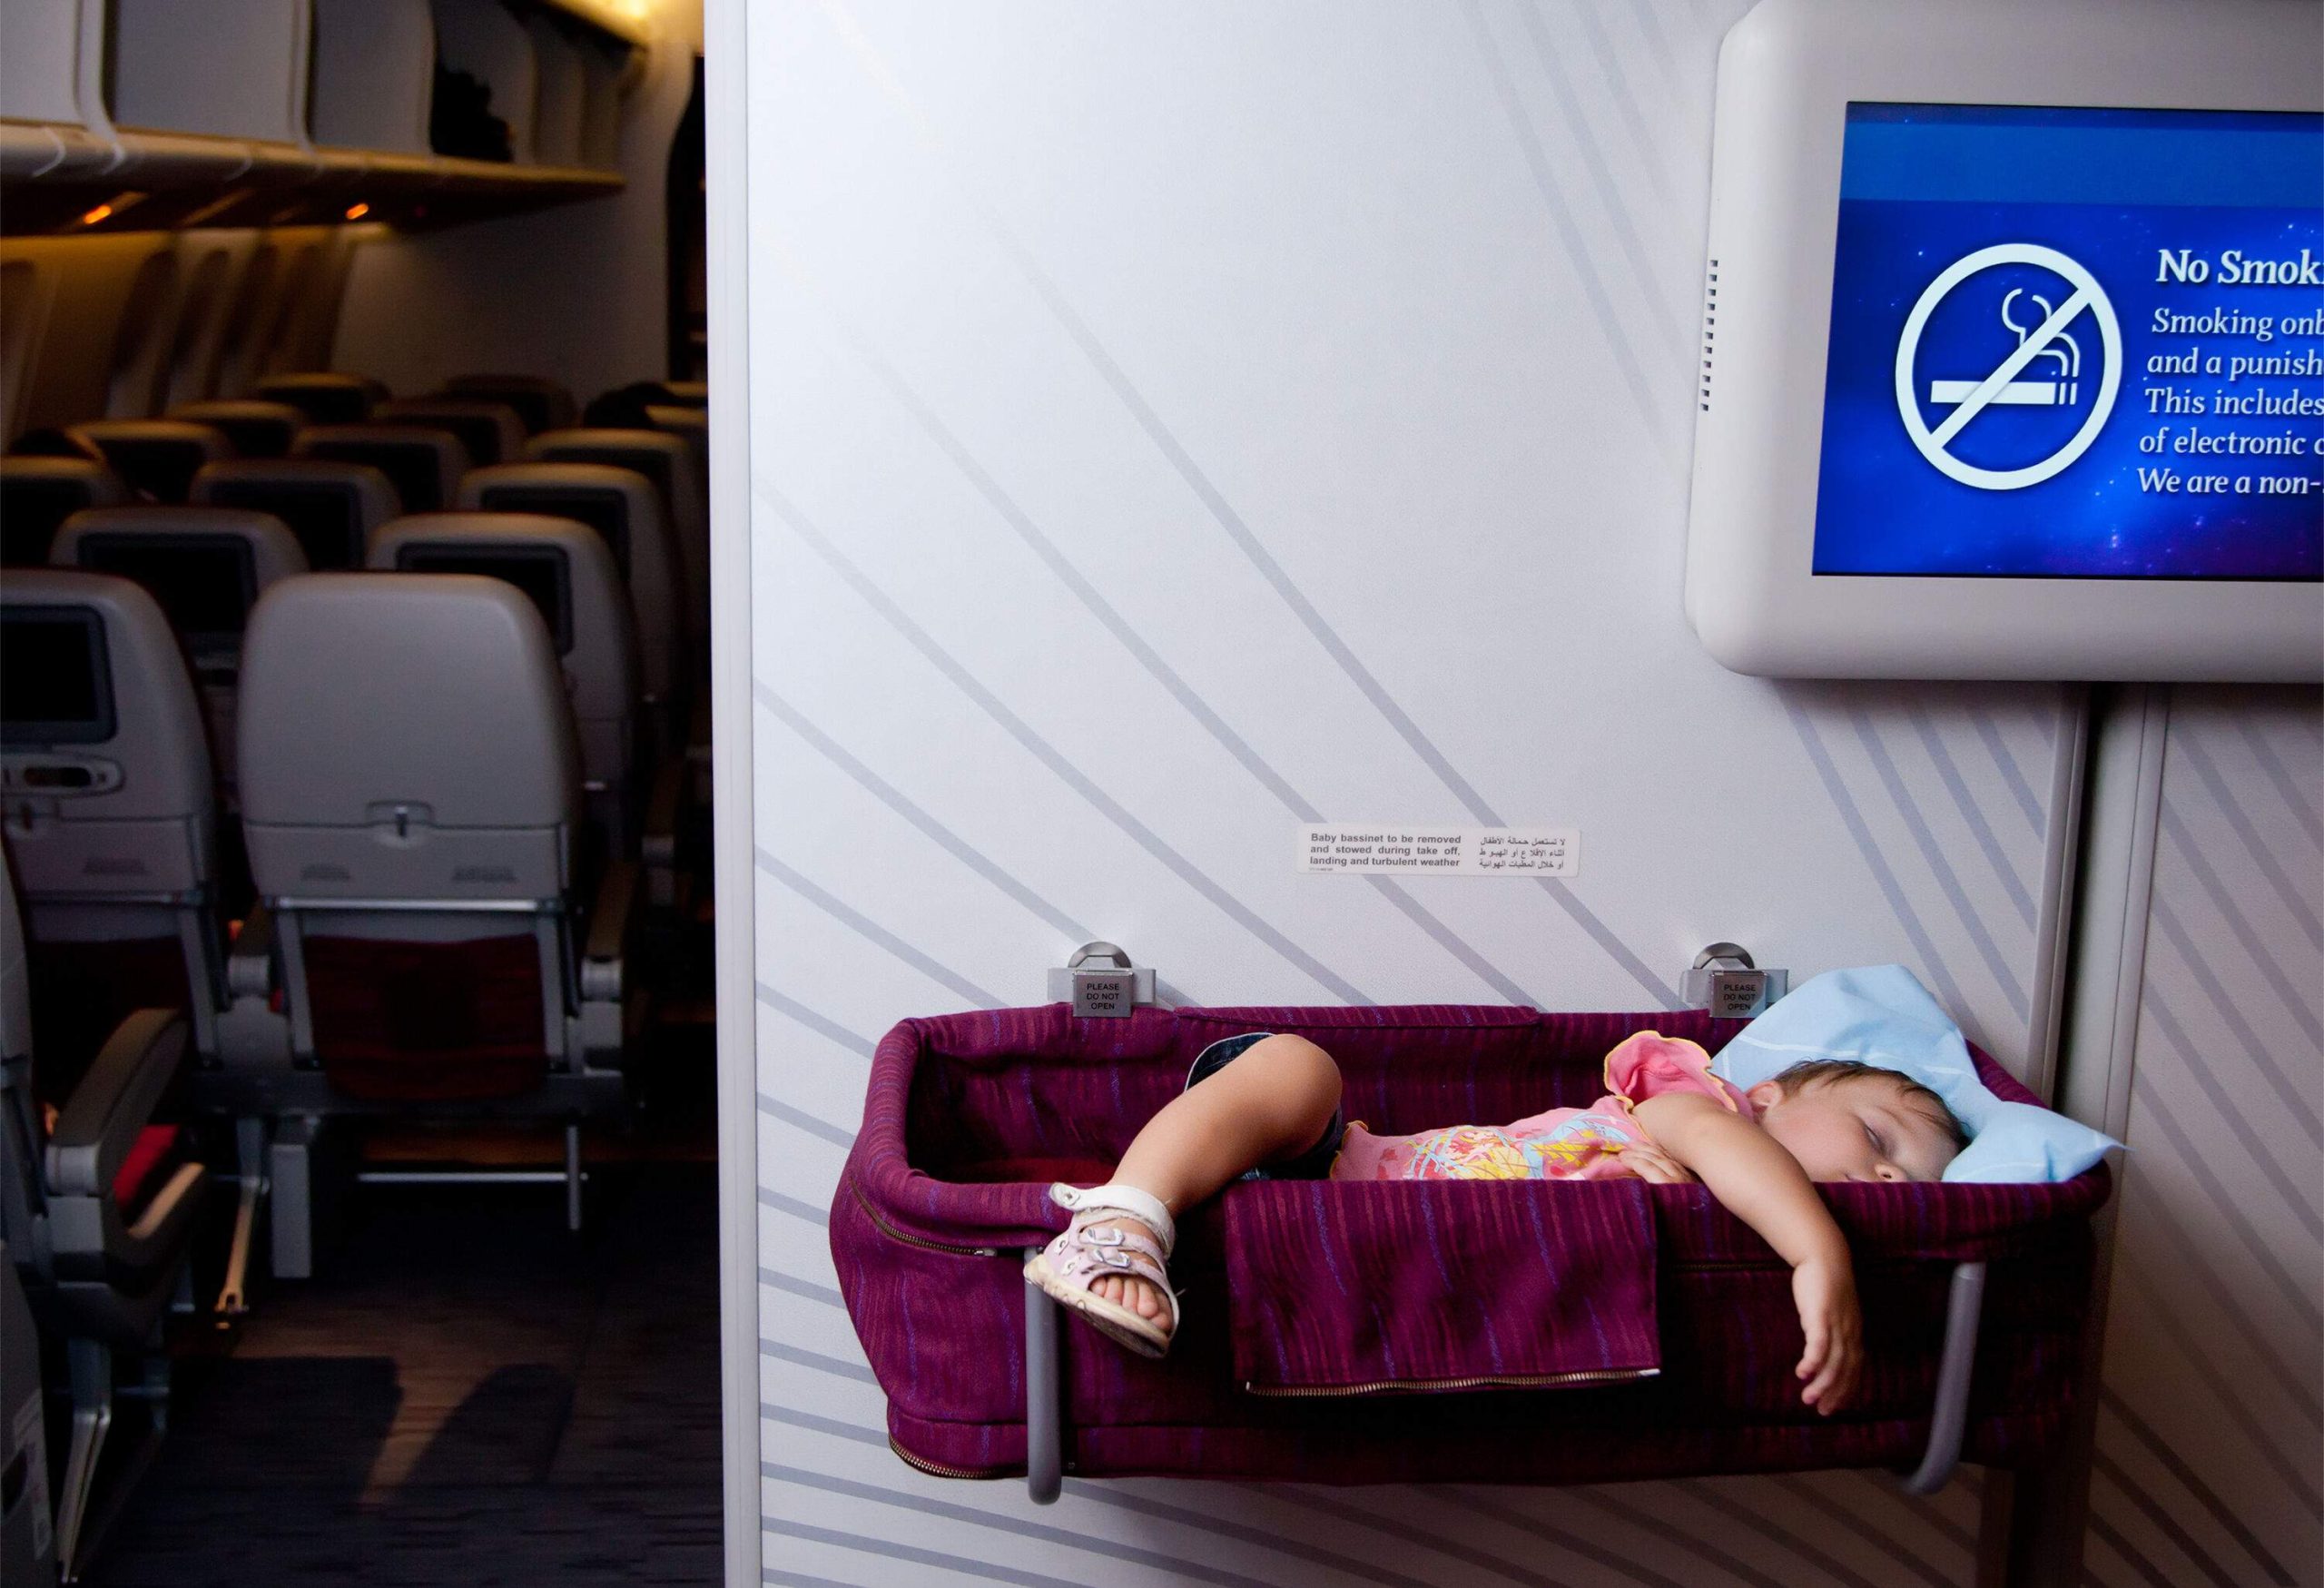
(1949, 1417)
(1101, 984)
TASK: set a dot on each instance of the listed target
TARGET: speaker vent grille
(1710, 329)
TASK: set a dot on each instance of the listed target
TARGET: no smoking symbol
(1972, 398)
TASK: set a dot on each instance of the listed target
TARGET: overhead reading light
(357, 212)
(97, 214)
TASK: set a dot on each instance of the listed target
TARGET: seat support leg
(573, 1177)
(249, 1153)
(1044, 1400)
(92, 1369)
(1949, 1419)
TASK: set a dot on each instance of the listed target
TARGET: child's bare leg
(1273, 1101)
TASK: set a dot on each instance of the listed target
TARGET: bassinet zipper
(892, 1232)
(937, 1469)
(1499, 1381)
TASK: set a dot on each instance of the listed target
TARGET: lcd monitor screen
(2076, 343)
(322, 516)
(539, 572)
(205, 584)
(606, 511)
(413, 470)
(56, 687)
(30, 511)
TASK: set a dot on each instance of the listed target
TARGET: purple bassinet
(1475, 1331)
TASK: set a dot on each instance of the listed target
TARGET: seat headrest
(559, 563)
(274, 550)
(37, 494)
(490, 430)
(543, 404)
(439, 693)
(327, 397)
(332, 506)
(425, 464)
(92, 670)
(633, 526)
(257, 428)
(156, 456)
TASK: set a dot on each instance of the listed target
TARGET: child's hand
(1650, 1163)
(1825, 1292)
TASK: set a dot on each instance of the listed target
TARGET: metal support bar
(470, 1176)
(92, 1371)
(250, 1152)
(1949, 1418)
(573, 1177)
(1044, 1400)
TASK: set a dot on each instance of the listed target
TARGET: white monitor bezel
(1788, 72)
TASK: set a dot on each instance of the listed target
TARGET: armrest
(114, 1101)
(250, 968)
(609, 922)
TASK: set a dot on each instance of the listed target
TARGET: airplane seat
(37, 494)
(257, 428)
(52, 442)
(567, 571)
(688, 393)
(98, 1212)
(418, 868)
(424, 463)
(327, 396)
(542, 404)
(157, 457)
(110, 817)
(332, 507)
(490, 430)
(667, 460)
(623, 508)
(206, 567)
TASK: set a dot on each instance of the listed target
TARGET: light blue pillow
(1881, 1014)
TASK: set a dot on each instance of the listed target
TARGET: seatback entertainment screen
(2076, 343)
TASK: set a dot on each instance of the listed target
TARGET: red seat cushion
(428, 1021)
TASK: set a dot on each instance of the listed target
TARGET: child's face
(1855, 1128)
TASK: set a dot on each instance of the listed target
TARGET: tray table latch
(1100, 983)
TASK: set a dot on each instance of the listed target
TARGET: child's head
(1850, 1121)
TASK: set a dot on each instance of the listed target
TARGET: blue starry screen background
(1922, 186)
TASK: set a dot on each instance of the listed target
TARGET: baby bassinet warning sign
(1464, 852)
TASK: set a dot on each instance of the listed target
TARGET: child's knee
(1306, 1078)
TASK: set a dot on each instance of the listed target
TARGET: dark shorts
(1315, 1163)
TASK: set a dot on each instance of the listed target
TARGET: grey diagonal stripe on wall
(2230, 1014)
(2194, 1064)
(1572, 1543)
(1940, 867)
(2164, 1456)
(1020, 523)
(2160, 1518)
(1775, 1533)
(2259, 955)
(1189, 1570)
(1982, 830)
(1618, 88)
(2189, 746)
(775, 1577)
(1559, 213)
(817, 1362)
(1989, 734)
(2128, 1552)
(784, 1003)
(774, 1108)
(1660, 1527)
(1852, 818)
(888, 1549)
(2272, 768)
(864, 926)
(1377, 1519)
(804, 1211)
(1223, 512)
(1209, 1522)
(805, 1289)
(1649, 29)
(943, 837)
(1675, 346)
(1853, 1518)
(1047, 755)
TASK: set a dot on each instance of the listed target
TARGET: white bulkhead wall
(1168, 427)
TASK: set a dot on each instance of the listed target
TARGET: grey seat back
(411, 776)
(110, 813)
(424, 464)
(491, 432)
(257, 428)
(207, 567)
(157, 457)
(37, 494)
(327, 396)
(332, 507)
(667, 460)
(567, 571)
(541, 403)
(621, 506)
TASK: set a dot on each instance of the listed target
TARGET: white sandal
(1068, 1269)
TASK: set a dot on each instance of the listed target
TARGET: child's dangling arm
(1759, 1182)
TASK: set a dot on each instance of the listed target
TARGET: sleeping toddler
(1267, 1106)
